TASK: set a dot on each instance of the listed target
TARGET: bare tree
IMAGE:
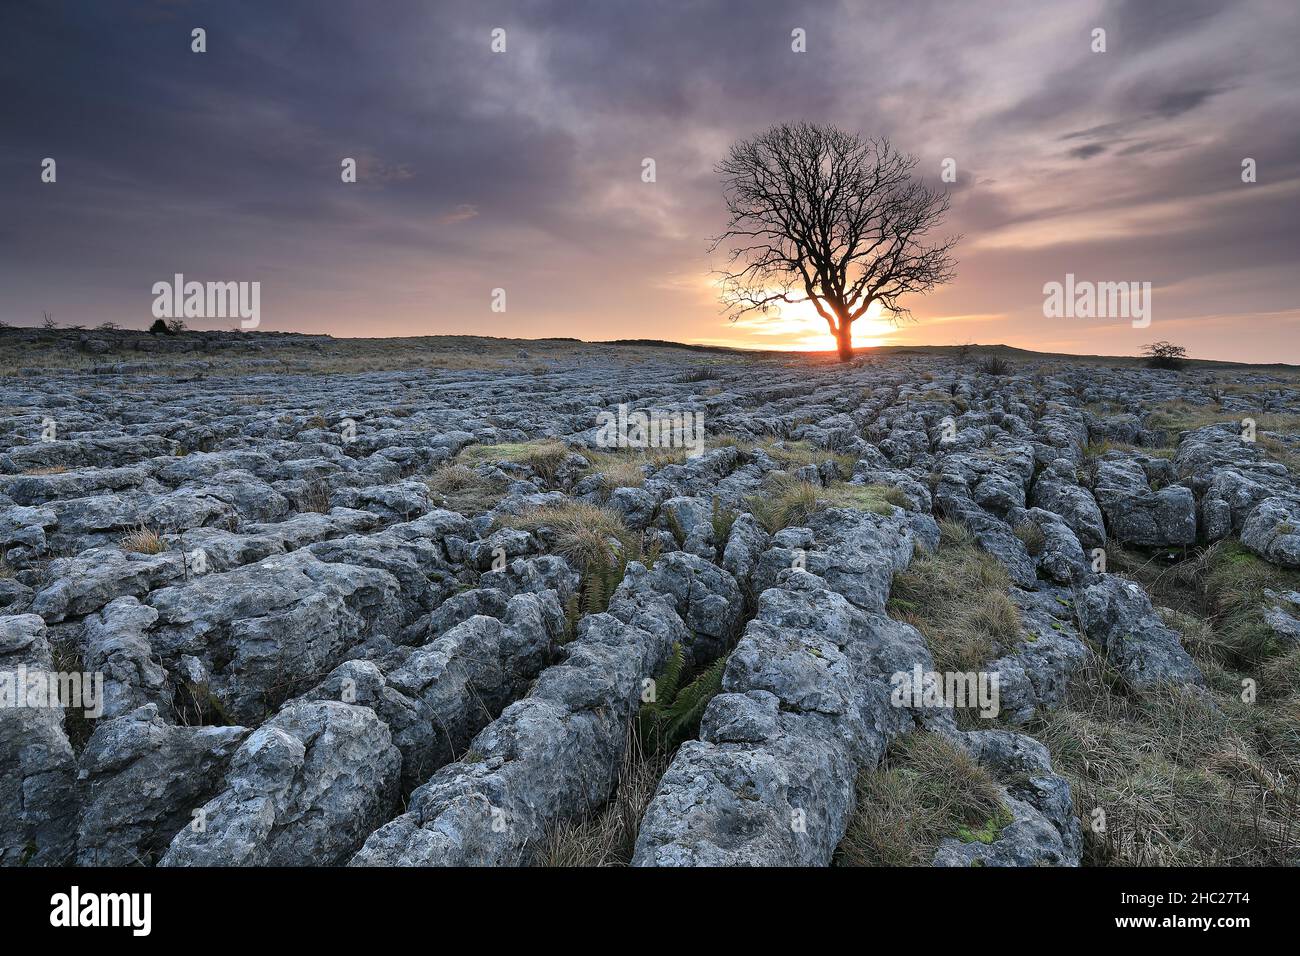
(823, 216)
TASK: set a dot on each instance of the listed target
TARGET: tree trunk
(844, 336)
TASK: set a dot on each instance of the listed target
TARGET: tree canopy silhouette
(823, 216)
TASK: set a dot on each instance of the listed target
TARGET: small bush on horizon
(1165, 355)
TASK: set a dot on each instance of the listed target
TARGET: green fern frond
(670, 681)
(651, 554)
(684, 713)
(675, 526)
(595, 598)
(572, 612)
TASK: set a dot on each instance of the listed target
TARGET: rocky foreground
(421, 617)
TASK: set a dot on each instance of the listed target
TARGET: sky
(522, 170)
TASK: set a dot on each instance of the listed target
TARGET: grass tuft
(789, 502)
(1031, 536)
(957, 596)
(543, 456)
(925, 790)
(142, 540)
(607, 837)
(460, 488)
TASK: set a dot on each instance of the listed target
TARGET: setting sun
(802, 329)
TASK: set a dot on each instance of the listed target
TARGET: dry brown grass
(925, 790)
(142, 540)
(1031, 536)
(586, 535)
(788, 502)
(316, 498)
(542, 456)
(608, 836)
(621, 469)
(957, 597)
(796, 454)
(1188, 777)
(1184, 778)
(460, 488)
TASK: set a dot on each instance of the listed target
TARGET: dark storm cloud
(523, 169)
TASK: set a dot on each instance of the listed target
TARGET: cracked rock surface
(340, 619)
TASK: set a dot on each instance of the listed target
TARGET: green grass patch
(543, 456)
(789, 502)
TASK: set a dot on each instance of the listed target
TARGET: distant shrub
(993, 365)
(1165, 355)
(159, 327)
(703, 373)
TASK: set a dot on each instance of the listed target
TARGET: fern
(600, 579)
(595, 598)
(683, 715)
(674, 715)
(649, 555)
(572, 612)
(675, 526)
(670, 681)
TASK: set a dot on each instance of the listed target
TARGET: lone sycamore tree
(823, 216)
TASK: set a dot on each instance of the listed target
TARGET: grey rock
(704, 596)
(1273, 531)
(264, 627)
(1137, 515)
(37, 809)
(116, 643)
(303, 789)
(545, 759)
(138, 781)
(1118, 616)
(89, 581)
(806, 703)
(1075, 506)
